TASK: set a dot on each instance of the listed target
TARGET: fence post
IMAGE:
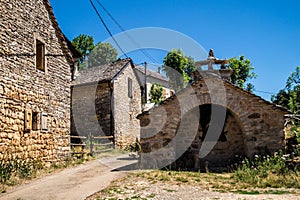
(91, 144)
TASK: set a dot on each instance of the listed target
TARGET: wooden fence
(94, 144)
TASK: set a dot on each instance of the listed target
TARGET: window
(129, 87)
(44, 121)
(35, 121)
(40, 55)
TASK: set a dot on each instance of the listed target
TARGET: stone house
(210, 124)
(105, 102)
(36, 61)
(153, 78)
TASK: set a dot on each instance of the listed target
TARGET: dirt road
(74, 183)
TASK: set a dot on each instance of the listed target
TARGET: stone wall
(173, 129)
(126, 109)
(23, 87)
(91, 109)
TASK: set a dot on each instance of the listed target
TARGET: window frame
(129, 82)
(40, 52)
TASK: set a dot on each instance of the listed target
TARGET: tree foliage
(93, 55)
(84, 44)
(156, 93)
(289, 97)
(102, 54)
(242, 72)
(178, 68)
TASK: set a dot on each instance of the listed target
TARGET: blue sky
(264, 31)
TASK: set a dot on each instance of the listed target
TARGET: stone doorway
(226, 150)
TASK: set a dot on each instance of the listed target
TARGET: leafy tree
(242, 72)
(289, 97)
(156, 93)
(249, 87)
(84, 44)
(178, 68)
(294, 80)
(102, 54)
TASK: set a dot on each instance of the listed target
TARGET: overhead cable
(107, 29)
(125, 32)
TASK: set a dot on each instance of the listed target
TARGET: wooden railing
(92, 143)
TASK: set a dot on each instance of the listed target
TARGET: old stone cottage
(35, 73)
(210, 124)
(105, 102)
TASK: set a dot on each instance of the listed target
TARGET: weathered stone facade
(42, 95)
(106, 101)
(180, 130)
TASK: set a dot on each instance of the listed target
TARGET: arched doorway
(226, 150)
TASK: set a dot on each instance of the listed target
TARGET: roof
(152, 73)
(68, 49)
(168, 100)
(101, 73)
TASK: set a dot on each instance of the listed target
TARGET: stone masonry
(174, 130)
(105, 101)
(41, 97)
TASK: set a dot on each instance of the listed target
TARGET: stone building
(210, 124)
(35, 73)
(106, 101)
(154, 78)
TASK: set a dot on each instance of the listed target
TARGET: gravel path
(133, 187)
(74, 183)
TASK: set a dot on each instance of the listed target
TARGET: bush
(22, 168)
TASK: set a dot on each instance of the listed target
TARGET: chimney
(159, 69)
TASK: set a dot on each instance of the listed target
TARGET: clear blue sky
(265, 31)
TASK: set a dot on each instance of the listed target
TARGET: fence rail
(93, 142)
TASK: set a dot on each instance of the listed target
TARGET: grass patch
(271, 171)
(19, 169)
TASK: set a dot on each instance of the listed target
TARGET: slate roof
(101, 73)
(152, 73)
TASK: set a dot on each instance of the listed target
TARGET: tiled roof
(101, 73)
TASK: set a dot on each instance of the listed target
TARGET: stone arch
(229, 147)
(260, 123)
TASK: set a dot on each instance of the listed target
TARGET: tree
(102, 54)
(178, 68)
(289, 97)
(156, 93)
(84, 44)
(242, 72)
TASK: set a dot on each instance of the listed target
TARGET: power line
(129, 37)
(107, 29)
(259, 91)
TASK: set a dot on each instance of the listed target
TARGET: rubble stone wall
(91, 109)
(24, 87)
(254, 126)
(126, 109)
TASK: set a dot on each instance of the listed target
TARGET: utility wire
(107, 29)
(263, 91)
(129, 37)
